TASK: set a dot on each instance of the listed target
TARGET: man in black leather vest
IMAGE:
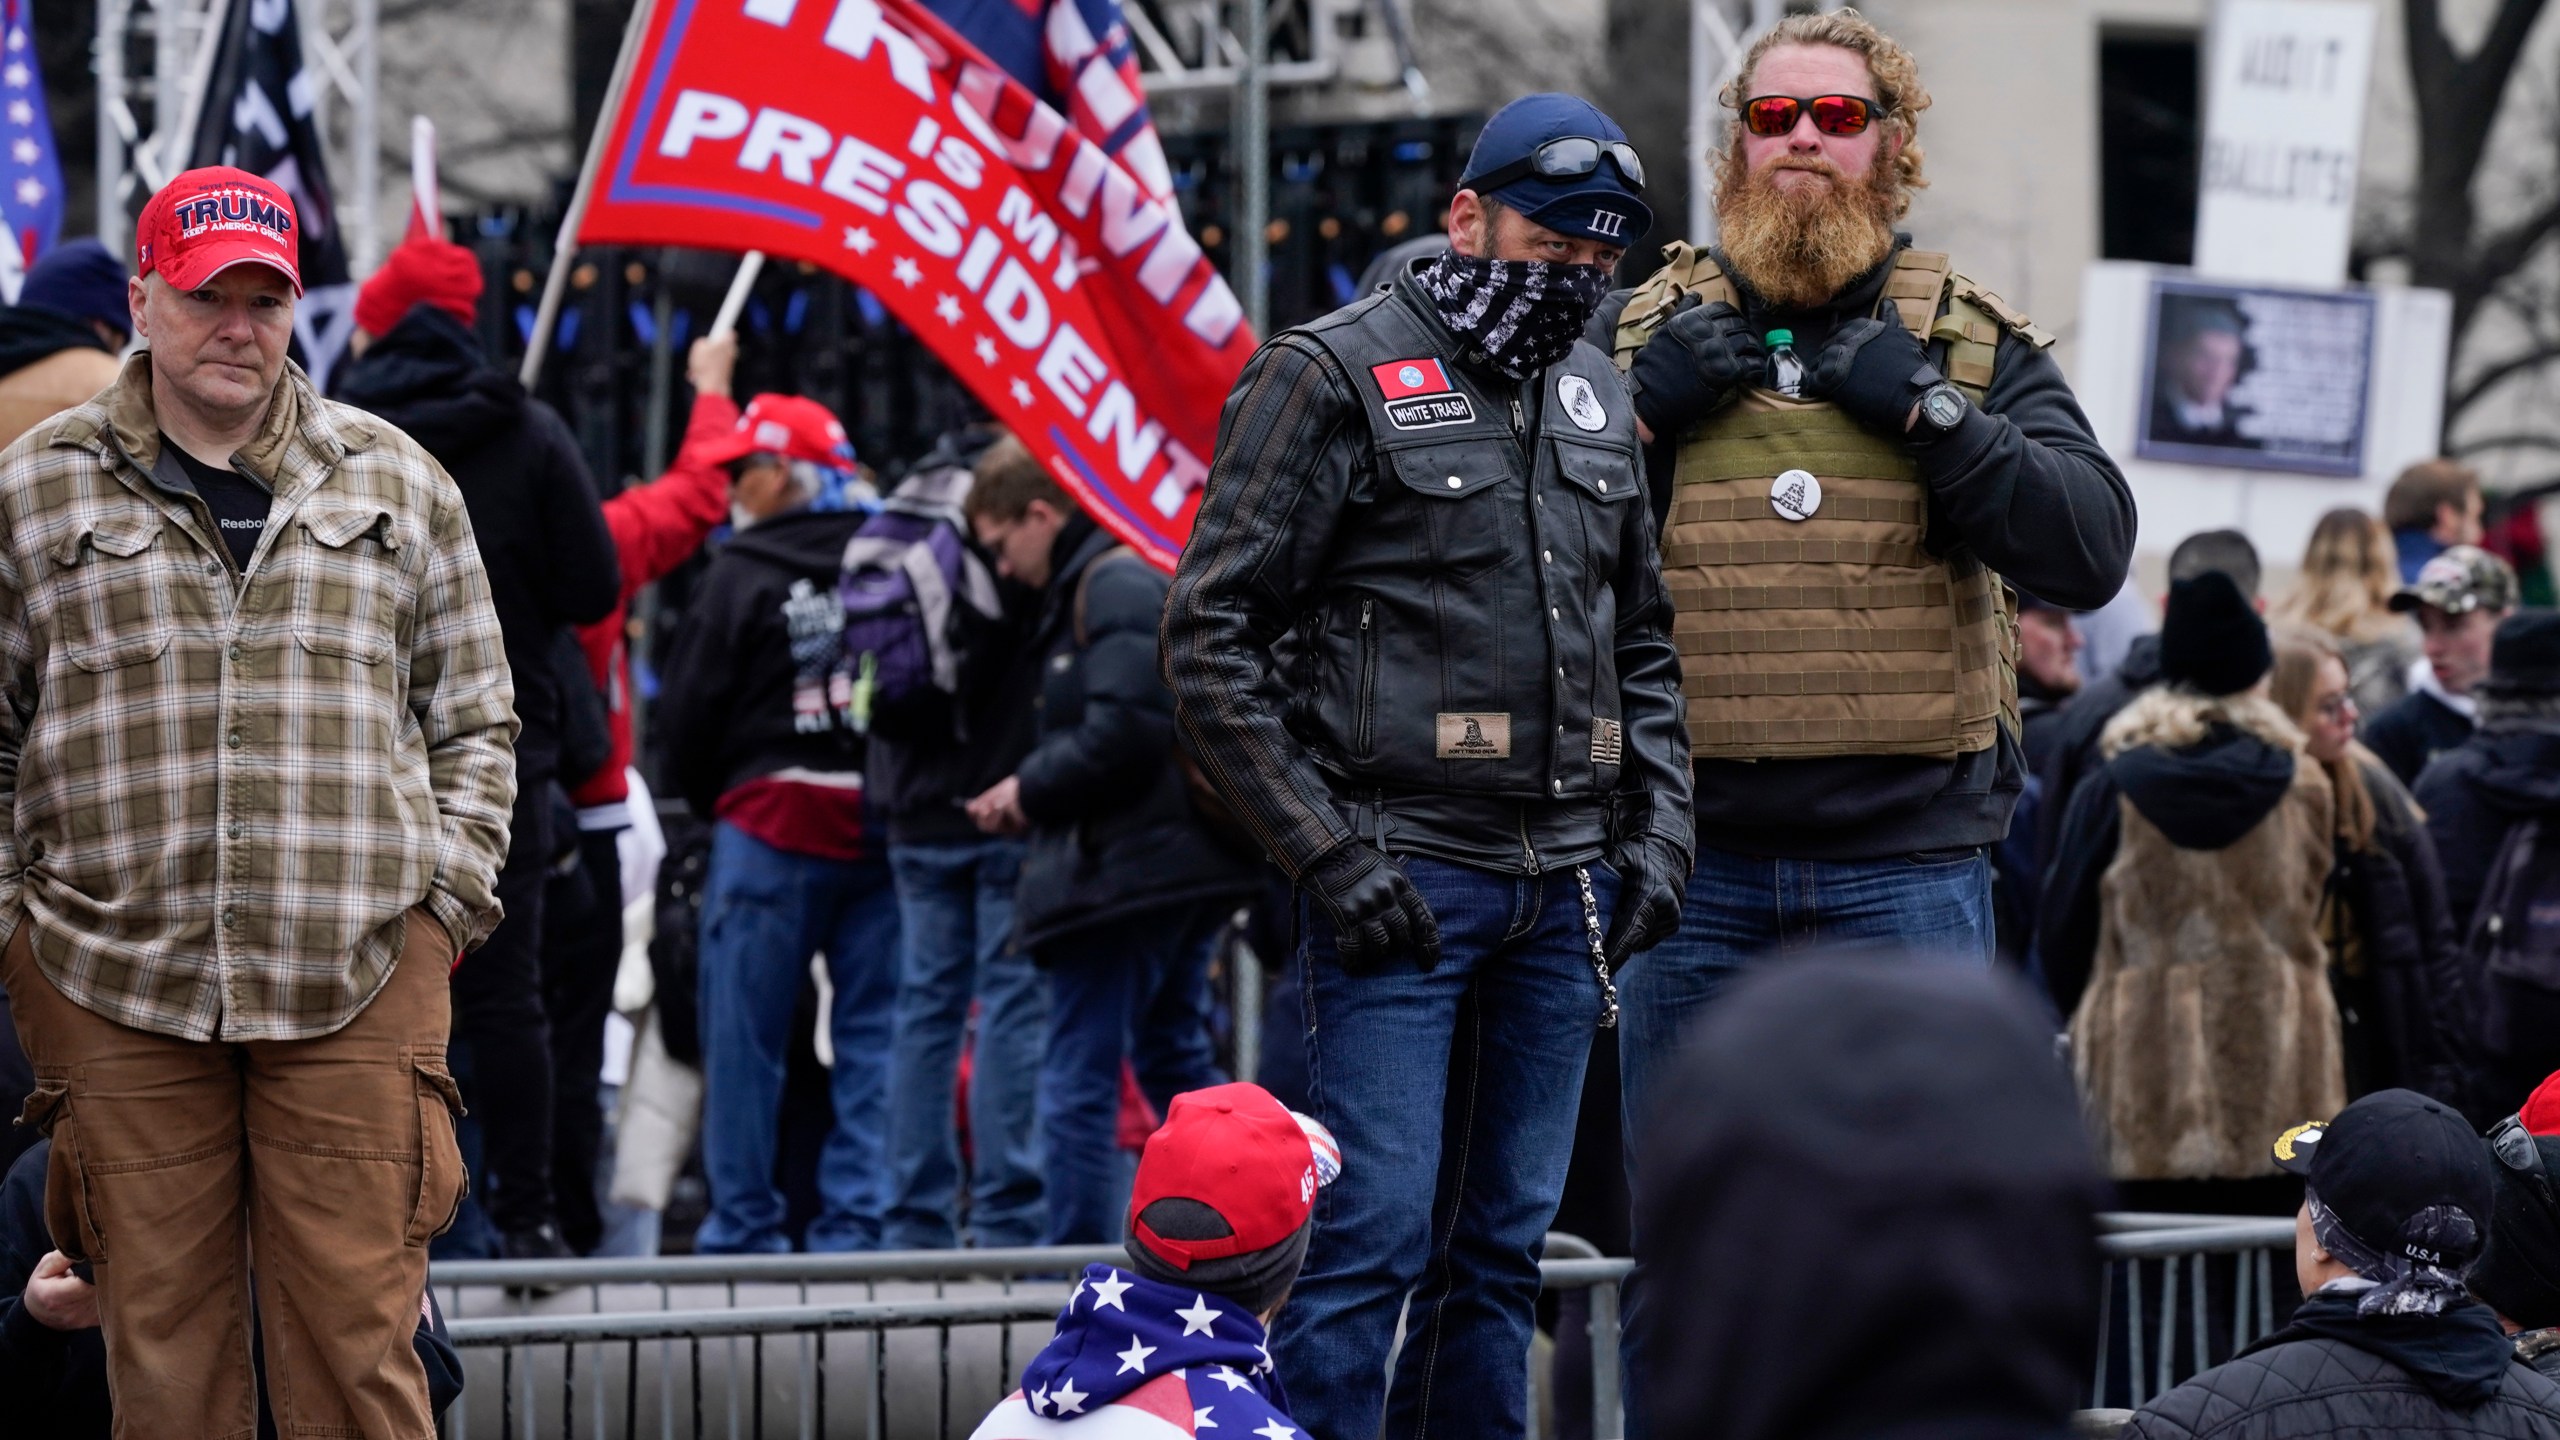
(1419, 642)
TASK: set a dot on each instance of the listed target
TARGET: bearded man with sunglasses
(1419, 642)
(1842, 560)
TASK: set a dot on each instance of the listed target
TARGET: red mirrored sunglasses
(1771, 115)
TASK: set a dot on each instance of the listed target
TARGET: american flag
(1077, 56)
(31, 178)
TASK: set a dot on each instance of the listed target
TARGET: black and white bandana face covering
(1520, 315)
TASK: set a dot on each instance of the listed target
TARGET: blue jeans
(1746, 910)
(1134, 990)
(955, 908)
(764, 913)
(1453, 1095)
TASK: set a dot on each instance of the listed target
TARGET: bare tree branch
(2508, 440)
(2491, 375)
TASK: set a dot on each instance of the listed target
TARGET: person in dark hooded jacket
(2519, 1274)
(2181, 928)
(2386, 1343)
(550, 560)
(1878, 1211)
(755, 729)
(2507, 772)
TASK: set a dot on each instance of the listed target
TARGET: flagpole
(744, 281)
(565, 248)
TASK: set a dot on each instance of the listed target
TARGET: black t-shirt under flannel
(238, 502)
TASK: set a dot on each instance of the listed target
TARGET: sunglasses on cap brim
(1569, 157)
(1772, 115)
(2516, 1149)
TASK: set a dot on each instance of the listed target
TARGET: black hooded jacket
(2473, 793)
(1113, 832)
(2330, 1371)
(2204, 797)
(1871, 1214)
(725, 713)
(2071, 744)
(533, 507)
(2023, 484)
(29, 333)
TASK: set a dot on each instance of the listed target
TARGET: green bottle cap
(1782, 337)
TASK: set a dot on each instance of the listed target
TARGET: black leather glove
(1703, 356)
(1653, 876)
(1875, 370)
(1377, 914)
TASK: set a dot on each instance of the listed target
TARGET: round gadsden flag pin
(1795, 494)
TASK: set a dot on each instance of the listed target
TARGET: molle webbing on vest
(1839, 634)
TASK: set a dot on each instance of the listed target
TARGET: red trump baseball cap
(206, 221)
(1237, 1151)
(791, 426)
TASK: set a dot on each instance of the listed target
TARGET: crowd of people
(1774, 609)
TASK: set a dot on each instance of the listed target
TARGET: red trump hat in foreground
(206, 221)
(1241, 1153)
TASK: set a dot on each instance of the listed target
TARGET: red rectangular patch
(1400, 378)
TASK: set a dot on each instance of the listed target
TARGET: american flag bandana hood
(1135, 1358)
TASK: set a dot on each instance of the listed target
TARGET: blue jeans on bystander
(1746, 910)
(765, 912)
(955, 908)
(1134, 990)
(1453, 1094)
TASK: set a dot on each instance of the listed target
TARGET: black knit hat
(2211, 639)
(2524, 657)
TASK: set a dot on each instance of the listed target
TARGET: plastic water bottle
(1786, 372)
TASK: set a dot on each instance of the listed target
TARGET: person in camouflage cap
(2459, 597)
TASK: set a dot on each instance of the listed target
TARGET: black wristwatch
(1942, 407)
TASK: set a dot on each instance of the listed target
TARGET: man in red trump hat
(1176, 1343)
(261, 759)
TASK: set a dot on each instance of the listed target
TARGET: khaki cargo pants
(324, 1164)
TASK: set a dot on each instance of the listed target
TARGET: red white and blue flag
(30, 172)
(1035, 248)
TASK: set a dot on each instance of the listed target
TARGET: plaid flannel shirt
(221, 793)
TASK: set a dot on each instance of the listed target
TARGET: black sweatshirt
(533, 507)
(2024, 484)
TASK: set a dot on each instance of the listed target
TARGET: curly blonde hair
(1895, 72)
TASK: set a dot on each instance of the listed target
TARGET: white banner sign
(2284, 119)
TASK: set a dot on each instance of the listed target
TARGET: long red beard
(1799, 248)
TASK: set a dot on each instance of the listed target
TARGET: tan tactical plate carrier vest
(1839, 633)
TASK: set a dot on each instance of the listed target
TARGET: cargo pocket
(441, 1181)
(69, 1213)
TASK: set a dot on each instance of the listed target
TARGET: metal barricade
(2176, 1249)
(880, 1346)
(757, 1346)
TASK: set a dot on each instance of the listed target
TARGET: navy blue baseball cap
(1605, 204)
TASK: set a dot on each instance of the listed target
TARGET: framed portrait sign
(2269, 379)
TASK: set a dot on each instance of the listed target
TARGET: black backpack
(2515, 950)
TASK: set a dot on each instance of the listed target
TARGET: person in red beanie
(418, 272)
(1218, 1226)
(551, 565)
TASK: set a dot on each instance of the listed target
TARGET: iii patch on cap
(206, 221)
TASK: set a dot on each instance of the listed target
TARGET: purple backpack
(913, 590)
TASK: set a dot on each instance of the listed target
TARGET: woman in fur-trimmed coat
(2182, 937)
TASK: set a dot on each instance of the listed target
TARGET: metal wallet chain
(1599, 954)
